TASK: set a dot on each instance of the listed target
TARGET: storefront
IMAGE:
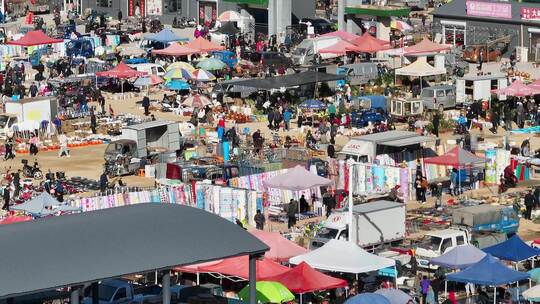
(468, 22)
(207, 11)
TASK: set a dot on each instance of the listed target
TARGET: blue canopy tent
(165, 36)
(460, 257)
(312, 104)
(513, 249)
(488, 272)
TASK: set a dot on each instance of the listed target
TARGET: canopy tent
(203, 45)
(518, 89)
(340, 48)
(15, 219)
(175, 49)
(165, 36)
(368, 298)
(489, 272)
(287, 81)
(456, 157)
(238, 267)
(297, 179)
(121, 71)
(342, 256)
(535, 84)
(395, 296)
(35, 38)
(281, 249)
(459, 257)
(513, 249)
(420, 68)
(349, 37)
(426, 46)
(303, 279)
(369, 44)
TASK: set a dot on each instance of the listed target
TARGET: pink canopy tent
(203, 46)
(369, 44)
(518, 89)
(303, 278)
(340, 48)
(15, 219)
(238, 267)
(281, 249)
(456, 157)
(175, 49)
(349, 37)
(426, 46)
(35, 38)
(297, 179)
(121, 71)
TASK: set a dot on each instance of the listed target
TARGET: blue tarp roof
(165, 36)
(513, 249)
(489, 272)
(460, 257)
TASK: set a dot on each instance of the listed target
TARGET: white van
(150, 68)
(305, 52)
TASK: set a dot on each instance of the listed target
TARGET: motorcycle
(31, 171)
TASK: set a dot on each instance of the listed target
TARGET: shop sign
(530, 13)
(489, 9)
(154, 7)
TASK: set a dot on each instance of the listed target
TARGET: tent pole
(395, 277)
(517, 290)
(494, 295)
(352, 232)
(300, 298)
(198, 279)
(446, 288)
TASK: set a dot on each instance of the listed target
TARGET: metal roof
(53, 252)
(149, 124)
(408, 141)
(386, 136)
(376, 206)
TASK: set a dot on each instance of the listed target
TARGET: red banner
(131, 8)
(143, 8)
(530, 13)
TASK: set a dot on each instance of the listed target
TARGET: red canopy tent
(369, 44)
(425, 46)
(35, 38)
(175, 49)
(204, 46)
(456, 157)
(15, 219)
(349, 37)
(121, 71)
(281, 249)
(238, 267)
(340, 48)
(302, 279)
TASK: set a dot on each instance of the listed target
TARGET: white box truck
(304, 53)
(375, 223)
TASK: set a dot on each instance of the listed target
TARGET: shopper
(63, 140)
(259, 220)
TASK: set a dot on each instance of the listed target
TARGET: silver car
(439, 97)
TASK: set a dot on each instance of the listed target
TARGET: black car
(268, 59)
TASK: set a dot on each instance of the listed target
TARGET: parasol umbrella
(268, 292)
(400, 25)
(395, 296)
(196, 101)
(202, 75)
(178, 73)
(181, 65)
(177, 85)
(368, 298)
(313, 104)
(229, 16)
(531, 294)
(147, 81)
(211, 64)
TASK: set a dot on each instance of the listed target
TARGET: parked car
(363, 118)
(494, 53)
(275, 60)
(320, 25)
(439, 97)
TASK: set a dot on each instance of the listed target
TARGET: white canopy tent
(343, 256)
(420, 68)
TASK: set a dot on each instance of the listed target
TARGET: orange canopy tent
(425, 46)
(369, 44)
(202, 45)
(340, 48)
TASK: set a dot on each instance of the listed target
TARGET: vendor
(526, 147)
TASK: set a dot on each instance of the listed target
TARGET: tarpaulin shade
(303, 279)
(456, 157)
(203, 45)
(489, 272)
(39, 205)
(287, 81)
(472, 216)
(297, 179)
(342, 256)
(165, 36)
(350, 37)
(281, 249)
(121, 71)
(459, 257)
(513, 249)
(426, 46)
(369, 44)
(35, 38)
(175, 49)
(239, 267)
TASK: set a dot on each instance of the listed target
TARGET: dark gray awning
(287, 81)
(53, 252)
